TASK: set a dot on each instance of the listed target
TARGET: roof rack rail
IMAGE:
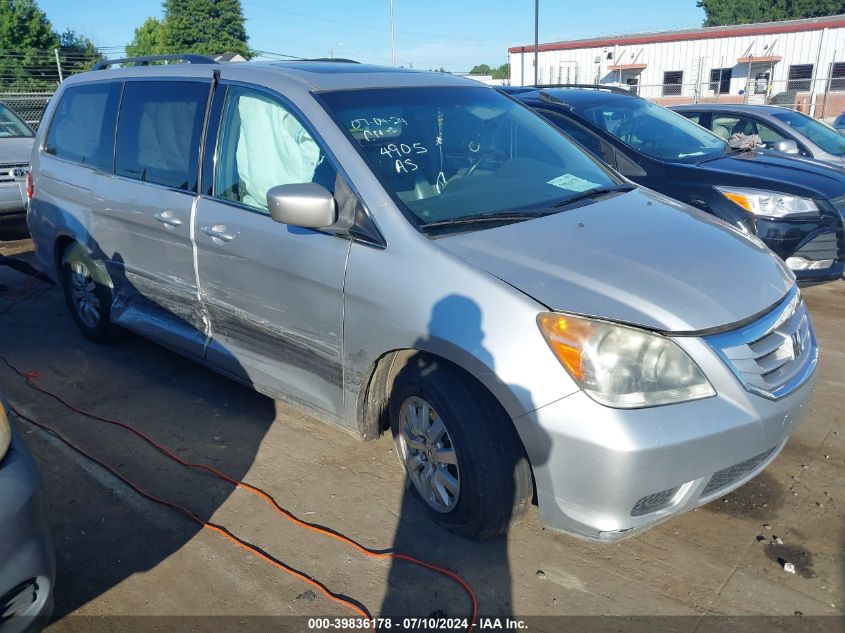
(187, 58)
(340, 60)
(593, 86)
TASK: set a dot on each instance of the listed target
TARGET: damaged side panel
(274, 295)
(168, 313)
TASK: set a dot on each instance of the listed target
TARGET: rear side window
(158, 132)
(82, 129)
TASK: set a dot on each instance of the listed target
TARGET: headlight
(769, 204)
(5, 432)
(621, 366)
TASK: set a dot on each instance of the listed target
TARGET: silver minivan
(390, 249)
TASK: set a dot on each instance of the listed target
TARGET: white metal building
(793, 63)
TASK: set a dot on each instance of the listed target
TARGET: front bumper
(812, 240)
(12, 202)
(27, 565)
(606, 474)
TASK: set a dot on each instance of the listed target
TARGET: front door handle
(167, 218)
(218, 232)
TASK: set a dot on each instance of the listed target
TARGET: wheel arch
(63, 245)
(374, 395)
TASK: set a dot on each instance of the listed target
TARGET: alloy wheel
(428, 454)
(83, 294)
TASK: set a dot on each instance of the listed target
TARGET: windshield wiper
(592, 193)
(500, 216)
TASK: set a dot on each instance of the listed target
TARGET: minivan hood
(15, 151)
(783, 172)
(637, 258)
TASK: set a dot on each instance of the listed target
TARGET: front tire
(461, 454)
(88, 298)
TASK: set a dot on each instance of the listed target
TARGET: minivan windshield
(466, 155)
(11, 125)
(825, 137)
(653, 130)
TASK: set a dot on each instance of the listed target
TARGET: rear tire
(462, 456)
(87, 295)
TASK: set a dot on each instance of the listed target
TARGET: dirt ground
(120, 555)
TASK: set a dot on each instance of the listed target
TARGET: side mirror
(786, 145)
(308, 205)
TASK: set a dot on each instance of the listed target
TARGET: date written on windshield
(375, 128)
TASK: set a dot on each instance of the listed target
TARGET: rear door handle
(218, 232)
(167, 218)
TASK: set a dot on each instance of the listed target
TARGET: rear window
(159, 131)
(82, 129)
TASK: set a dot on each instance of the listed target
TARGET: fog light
(799, 263)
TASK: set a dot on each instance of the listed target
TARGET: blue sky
(454, 34)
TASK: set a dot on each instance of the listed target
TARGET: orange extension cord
(219, 529)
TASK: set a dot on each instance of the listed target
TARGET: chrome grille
(775, 354)
(13, 173)
(725, 477)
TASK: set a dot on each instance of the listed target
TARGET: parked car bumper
(27, 565)
(12, 202)
(814, 249)
(606, 474)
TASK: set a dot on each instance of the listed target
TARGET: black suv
(794, 205)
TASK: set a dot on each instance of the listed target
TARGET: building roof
(229, 57)
(738, 30)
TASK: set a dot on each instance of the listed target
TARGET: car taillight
(30, 186)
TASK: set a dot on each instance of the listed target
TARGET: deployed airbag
(273, 149)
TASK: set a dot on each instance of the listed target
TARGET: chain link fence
(27, 105)
(28, 78)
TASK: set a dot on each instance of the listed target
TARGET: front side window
(11, 125)
(728, 125)
(652, 129)
(463, 152)
(82, 129)
(263, 144)
(825, 137)
(158, 132)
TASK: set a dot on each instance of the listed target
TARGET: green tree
(27, 41)
(502, 72)
(481, 69)
(77, 52)
(147, 40)
(726, 12)
(206, 27)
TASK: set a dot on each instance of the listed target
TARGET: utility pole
(536, 38)
(392, 36)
